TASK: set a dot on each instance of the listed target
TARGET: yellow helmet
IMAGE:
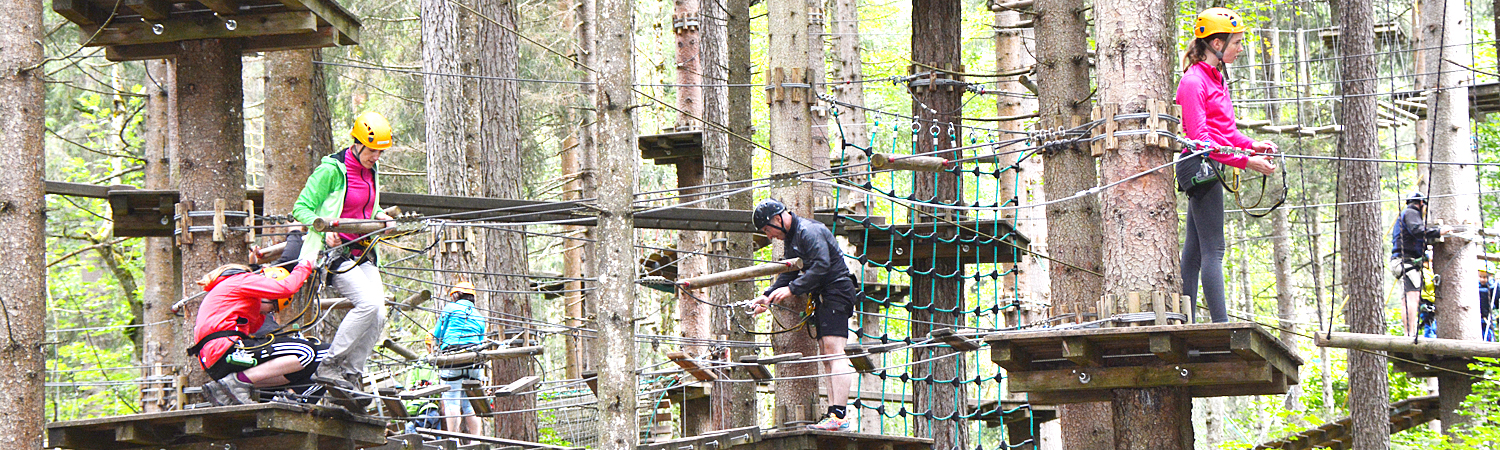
(462, 287)
(1218, 20)
(278, 273)
(372, 130)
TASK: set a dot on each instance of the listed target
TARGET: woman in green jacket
(344, 186)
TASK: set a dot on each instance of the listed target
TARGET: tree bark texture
(1286, 305)
(1360, 229)
(163, 333)
(847, 75)
(1139, 217)
(615, 267)
(297, 122)
(1073, 228)
(693, 316)
(689, 63)
(939, 396)
(1455, 196)
(792, 137)
(505, 249)
(24, 219)
(725, 57)
(1162, 418)
(451, 115)
(211, 160)
(1022, 181)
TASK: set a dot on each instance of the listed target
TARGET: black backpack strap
(193, 351)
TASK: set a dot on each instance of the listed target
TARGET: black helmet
(1416, 197)
(764, 211)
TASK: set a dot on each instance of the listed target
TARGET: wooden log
(730, 276)
(416, 300)
(324, 225)
(454, 359)
(400, 350)
(1431, 346)
(267, 254)
(887, 161)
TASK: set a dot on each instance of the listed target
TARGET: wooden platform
(1405, 415)
(978, 242)
(831, 440)
(1426, 366)
(1083, 365)
(149, 29)
(1484, 98)
(672, 148)
(272, 425)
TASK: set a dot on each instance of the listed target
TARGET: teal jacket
(323, 196)
(459, 325)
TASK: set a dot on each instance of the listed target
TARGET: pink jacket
(1207, 114)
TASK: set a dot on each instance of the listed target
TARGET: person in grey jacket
(825, 278)
(1408, 251)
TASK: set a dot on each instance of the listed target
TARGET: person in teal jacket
(459, 326)
(344, 186)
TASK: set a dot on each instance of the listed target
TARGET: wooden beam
(519, 386)
(493, 440)
(957, 342)
(1168, 348)
(1010, 356)
(1136, 377)
(300, 423)
(323, 37)
(691, 366)
(1082, 352)
(331, 13)
(80, 12)
(185, 29)
(1255, 345)
(210, 427)
(398, 349)
(139, 433)
(1432, 346)
(222, 7)
(474, 390)
(150, 9)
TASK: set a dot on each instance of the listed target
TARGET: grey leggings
(1203, 250)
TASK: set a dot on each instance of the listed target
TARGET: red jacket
(233, 303)
(1208, 115)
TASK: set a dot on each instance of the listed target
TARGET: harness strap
(193, 351)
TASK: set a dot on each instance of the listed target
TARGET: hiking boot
(341, 393)
(216, 394)
(240, 392)
(361, 398)
(830, 423)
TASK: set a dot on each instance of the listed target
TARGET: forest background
(96, 121)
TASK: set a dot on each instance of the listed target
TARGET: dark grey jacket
(822, 261)
(1414, 233)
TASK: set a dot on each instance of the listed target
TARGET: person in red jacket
(234, 308)
(1208, 115)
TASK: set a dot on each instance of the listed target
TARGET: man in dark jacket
(1409, 251)
(826, 279)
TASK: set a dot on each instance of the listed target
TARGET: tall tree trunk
(1286, 306)
(694, 318)
(615, 267)
(1314, 241)
(792, 137)
(505, 249)
(1359, 223)
(1455, 194)
(725, 55)
(451, 117)
(1135, 65)
(939, 397)
(24, 219)
(211, 160)
(163, 333)
(1011, 54)
(1073, 228)
(847, 77)
(297, 123)
(581, 357)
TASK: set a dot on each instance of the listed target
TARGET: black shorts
(259, 350)
(835, 306)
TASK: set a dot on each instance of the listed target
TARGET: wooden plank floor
(831, 440)
(280, 426)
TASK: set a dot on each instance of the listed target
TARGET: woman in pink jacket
(1207, 115)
